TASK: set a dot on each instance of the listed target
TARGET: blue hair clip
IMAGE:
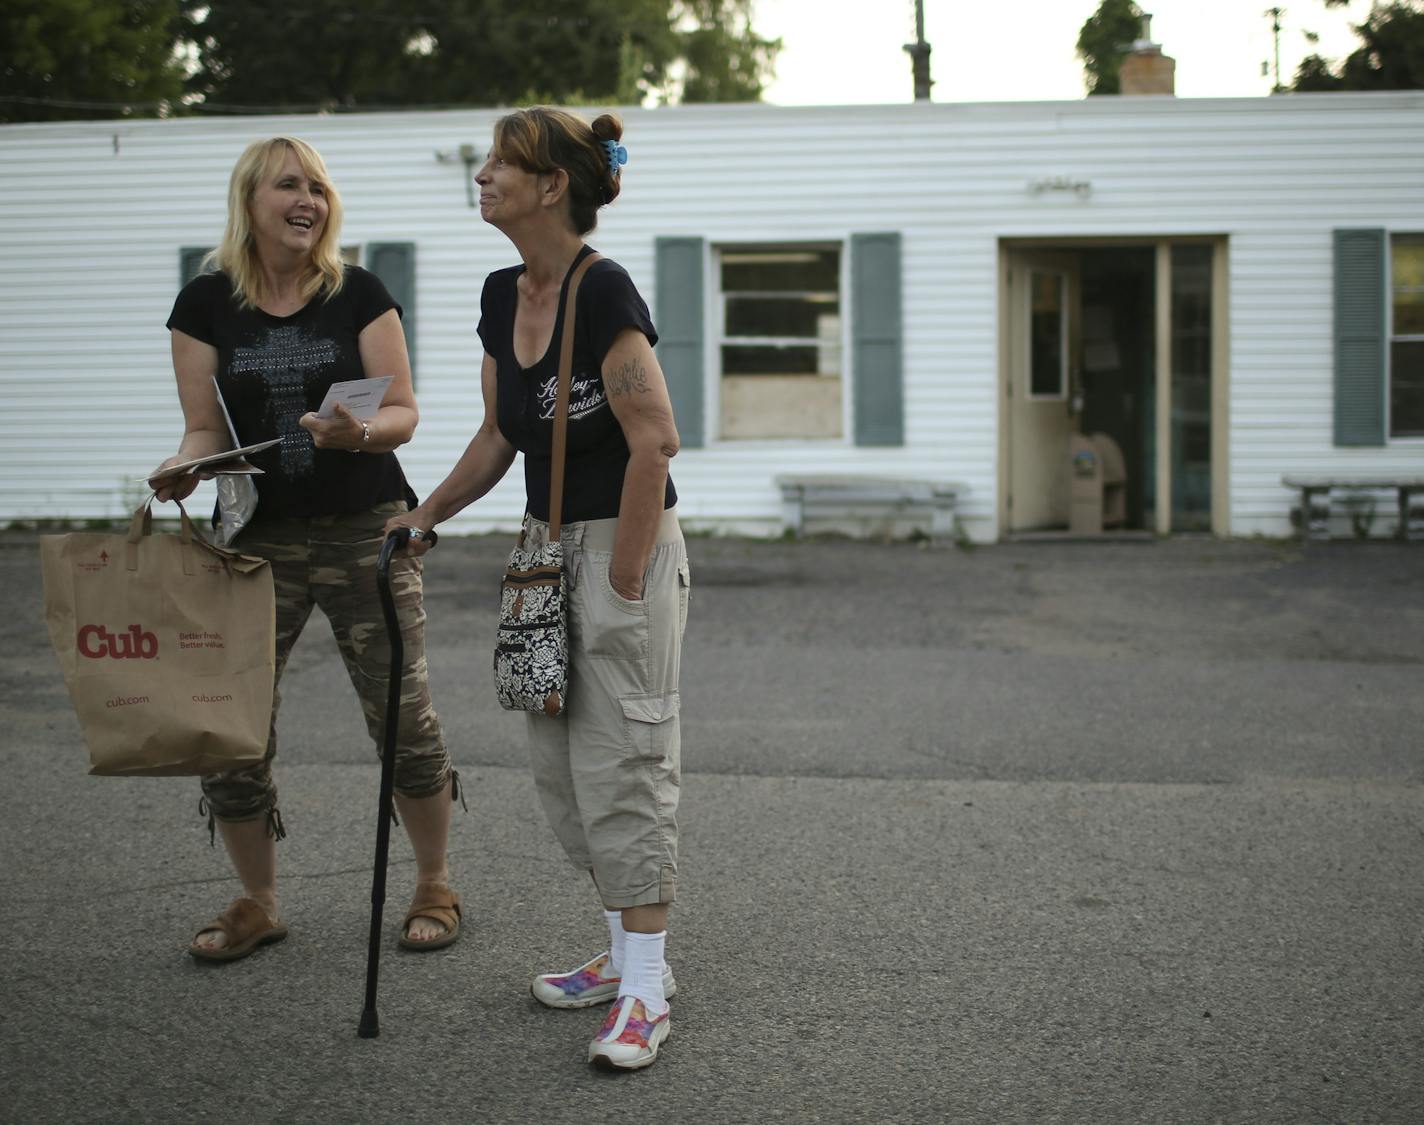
(617, 157)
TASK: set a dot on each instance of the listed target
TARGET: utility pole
(1276, 14)
(919, 52)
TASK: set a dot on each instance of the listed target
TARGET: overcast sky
(840, 52)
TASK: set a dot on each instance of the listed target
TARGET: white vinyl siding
(92, 216)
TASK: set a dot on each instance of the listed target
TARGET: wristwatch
(365, 432)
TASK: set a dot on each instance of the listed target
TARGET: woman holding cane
(608, 770)
(277, 322)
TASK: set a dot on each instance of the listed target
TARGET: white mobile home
(1230, 290)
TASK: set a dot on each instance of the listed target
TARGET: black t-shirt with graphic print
(274, 369)
(607, 303)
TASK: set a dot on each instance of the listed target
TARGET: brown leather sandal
(246, 925)
(440, 904)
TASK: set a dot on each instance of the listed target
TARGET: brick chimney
(1146, 70)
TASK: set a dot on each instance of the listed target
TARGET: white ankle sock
(615, 940)
(643, 970)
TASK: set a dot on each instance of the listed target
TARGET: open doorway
(1118, 378)
(1114, 379)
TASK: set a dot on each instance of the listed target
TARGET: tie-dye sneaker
(593, 983)
(629, 1037)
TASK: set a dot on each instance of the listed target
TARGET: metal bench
(1315, 499)
(849, 497)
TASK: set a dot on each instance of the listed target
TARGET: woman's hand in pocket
(630, 590)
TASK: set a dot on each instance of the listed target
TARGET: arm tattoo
(631, 378)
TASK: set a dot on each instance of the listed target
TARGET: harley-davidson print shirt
(607, 303)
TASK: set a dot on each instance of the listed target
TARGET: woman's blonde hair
(542, 138)
(236, 254)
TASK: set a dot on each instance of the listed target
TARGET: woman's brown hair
(543, 138)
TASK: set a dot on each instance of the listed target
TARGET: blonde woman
(276, 320)
(608, 771)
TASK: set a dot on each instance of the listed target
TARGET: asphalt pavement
(1120, 832)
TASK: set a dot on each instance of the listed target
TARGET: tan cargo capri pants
(330, 562)
(609, 769)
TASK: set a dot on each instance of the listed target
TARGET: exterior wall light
(470, 158)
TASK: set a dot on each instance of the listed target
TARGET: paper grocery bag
(167, 646)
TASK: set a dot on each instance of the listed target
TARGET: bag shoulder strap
(561, 408)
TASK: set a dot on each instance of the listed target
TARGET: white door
(1042, 373)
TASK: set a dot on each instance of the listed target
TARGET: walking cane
(370, 1025)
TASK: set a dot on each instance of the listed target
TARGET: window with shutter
(779, 338)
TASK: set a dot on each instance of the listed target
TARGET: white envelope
(214, 459)
(360, 396)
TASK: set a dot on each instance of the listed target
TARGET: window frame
(1391, 338)
(718, 337)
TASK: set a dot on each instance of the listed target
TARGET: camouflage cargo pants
(330, 562)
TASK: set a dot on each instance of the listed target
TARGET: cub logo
(136, 643)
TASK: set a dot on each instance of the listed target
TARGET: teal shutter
(1360, 297)
(680, 318)
(875, 325)
(394, 264)
(190, 263)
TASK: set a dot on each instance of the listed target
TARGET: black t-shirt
(274, 369)
(597, 451)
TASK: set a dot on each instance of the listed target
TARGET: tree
(1313, 75)
(725, 60)
(87, 58)
(350, 54)
(1391, 56)
(308, 53)
(496, 53)
(1104, 42)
